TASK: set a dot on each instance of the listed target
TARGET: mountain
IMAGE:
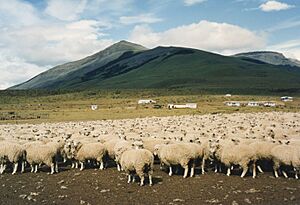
(125, 65)
(270, 57)
(57, 76)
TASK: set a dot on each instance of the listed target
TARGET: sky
(36, 35)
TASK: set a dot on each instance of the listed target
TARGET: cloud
(142, 18)
(290, 48)
(206, 35)
(66, 10)
(22, 70)
(192, 2)
(274, 6)
(18, 12)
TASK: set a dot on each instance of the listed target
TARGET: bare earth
(92, 186)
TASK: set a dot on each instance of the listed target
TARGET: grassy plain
(43, 106)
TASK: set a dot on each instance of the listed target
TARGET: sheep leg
(150, 179)
(73, 165)
(23, 167)
(32, 168)
(76, 165)
(192, 170)
(254, 171)
(129, 178)
(186, 170)
(118, 167)
(101, 165)
(216, 168)
(133, 178)
(220, 168)
(275, 168)
(260, 169)
(142, 180)
(228, 171)
(245, 169)
(81, 166)
(56, 167)
(52, 168)
(275, 173)
(202, 165)
(15, 168)
(296, 173)
(36, 168)
(170, 171)
(284, 174)
(1, 169)
(231, 167)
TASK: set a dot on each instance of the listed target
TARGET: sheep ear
(288, 142)
(279, 142)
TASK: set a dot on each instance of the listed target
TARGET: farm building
(228, 95)
(286, 98)
(233, 104)
(146, 101)
(94, 107)
(183, 106)
(269, 104)
(253, 104)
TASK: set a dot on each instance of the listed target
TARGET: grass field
(38, 106)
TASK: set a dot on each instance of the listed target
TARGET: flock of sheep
(232, 141)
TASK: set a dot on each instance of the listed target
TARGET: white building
(183, 106)
(228, 95)
(146, 101)
(270, 104)
(286, 98)
(94, 107)
(253, 104)
(233, 104)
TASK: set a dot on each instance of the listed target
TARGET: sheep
(149, 143)
(288, 155)
(119, 148)
(262, 151)
(44, 153)
(239, 154)
(175, 154)
(139, 160)
(89, 151)
(14, 153)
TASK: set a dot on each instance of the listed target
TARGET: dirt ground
(92, 186)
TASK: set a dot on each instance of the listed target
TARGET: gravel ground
(109, 186)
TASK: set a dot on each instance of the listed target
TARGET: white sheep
(140, 161)
(89, 151)
(13, 153)
(236, 154)
(175, 154)
(41, 154)
(119, 148)
(288, 155)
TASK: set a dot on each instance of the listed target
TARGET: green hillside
(181, 68)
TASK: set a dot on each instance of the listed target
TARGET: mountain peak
(124, 46)
(270, 57)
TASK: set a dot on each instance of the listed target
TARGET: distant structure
(183, 106)
(146, 101)
(228, 95)
(94, 107)
(233, 104)
(287, 98)
(270, 104)
(253, 104)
